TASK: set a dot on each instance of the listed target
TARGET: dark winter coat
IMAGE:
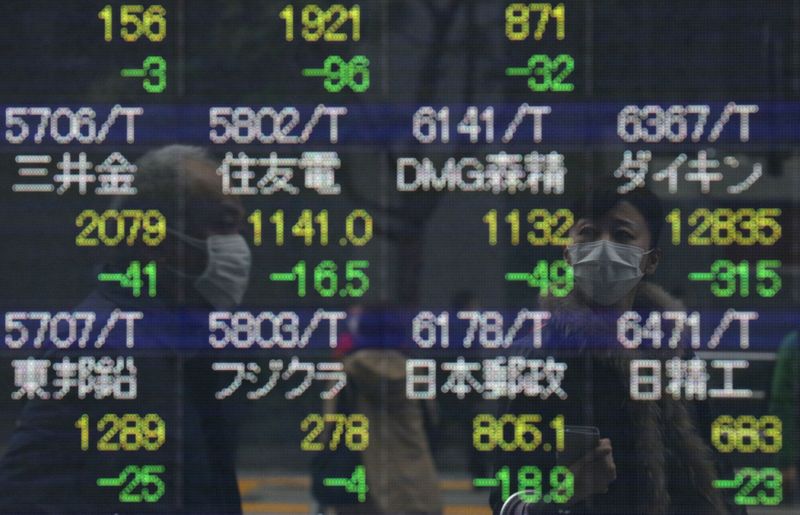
(663, 466)
(44, 470)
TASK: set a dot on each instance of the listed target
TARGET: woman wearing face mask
(649, 457)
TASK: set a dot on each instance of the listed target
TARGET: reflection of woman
(649, 458)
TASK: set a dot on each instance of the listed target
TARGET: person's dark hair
(596, 202)
(462, 300)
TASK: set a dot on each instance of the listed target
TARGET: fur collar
(667, 443)
(649, 295)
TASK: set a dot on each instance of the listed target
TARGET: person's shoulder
(533, 345)
(375, 364)
(790, 340)
(97, 300)
(790, 346)
(653, 296)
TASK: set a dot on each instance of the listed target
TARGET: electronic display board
(399, 256)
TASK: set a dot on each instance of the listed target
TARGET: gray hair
(161, 179)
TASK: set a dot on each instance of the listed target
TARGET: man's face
(208, 212)
(205, 212)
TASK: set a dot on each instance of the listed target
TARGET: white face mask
(227, 274)
(606, 271)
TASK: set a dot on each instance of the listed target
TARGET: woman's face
(622, 224)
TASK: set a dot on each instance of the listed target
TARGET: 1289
(128, 432)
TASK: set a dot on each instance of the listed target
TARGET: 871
(518, 20)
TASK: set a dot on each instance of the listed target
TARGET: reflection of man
(203, 263)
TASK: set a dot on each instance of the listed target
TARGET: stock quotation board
(399, 256)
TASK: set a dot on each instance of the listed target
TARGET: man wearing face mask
(649, 457)
(224, 280)
(203, 264)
